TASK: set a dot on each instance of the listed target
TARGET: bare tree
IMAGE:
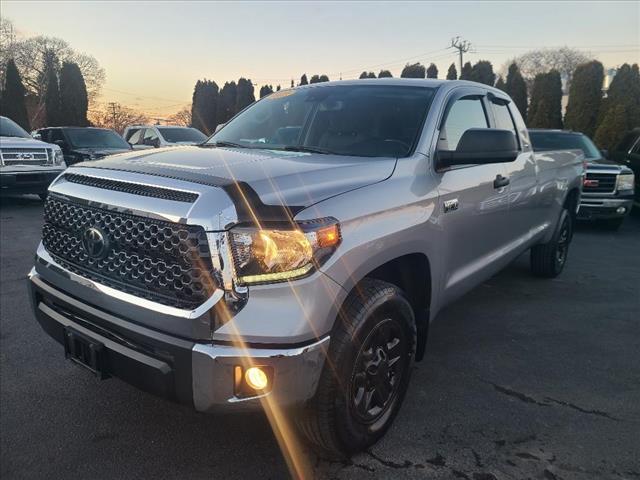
(117, 117)
(564, 60)
(183, 117)
(29, 56)
(7, 40)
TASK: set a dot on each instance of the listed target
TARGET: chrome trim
(229, 351)
(44, 258)
(213, 210)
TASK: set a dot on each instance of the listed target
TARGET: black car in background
(627, 152)
(608, 188)
(79, 144)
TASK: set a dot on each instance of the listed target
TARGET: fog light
(256, 378)
(621, 210)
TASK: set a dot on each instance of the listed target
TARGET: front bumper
(594, 208)
(194, 373)
(27, 181)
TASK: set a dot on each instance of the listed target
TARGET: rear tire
(548, 260)
(366, 373)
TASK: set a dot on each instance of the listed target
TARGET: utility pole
(462, 46)
(113, 106)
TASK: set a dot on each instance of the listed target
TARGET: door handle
(500, 181)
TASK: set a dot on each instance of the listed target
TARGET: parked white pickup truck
(26, 165)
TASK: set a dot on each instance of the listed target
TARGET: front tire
(366, 373)
(548, 260)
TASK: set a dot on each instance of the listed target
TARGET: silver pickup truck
(26, 165)
(294, 261)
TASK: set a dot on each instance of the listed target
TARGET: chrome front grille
(599, 182)
(26, 156)
(168, 263)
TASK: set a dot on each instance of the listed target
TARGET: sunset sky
(153, 52)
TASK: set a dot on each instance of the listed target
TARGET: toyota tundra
(296, 258)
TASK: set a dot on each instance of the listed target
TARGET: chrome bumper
(602, 208)
(201, 374)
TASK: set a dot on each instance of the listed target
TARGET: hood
(605, 164)
(15, 142)
(98, 152)
(286, 181)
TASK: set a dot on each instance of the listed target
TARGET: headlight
(625, 182)
(268, 255)
(58, 157)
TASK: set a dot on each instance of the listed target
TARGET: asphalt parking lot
(524, 378)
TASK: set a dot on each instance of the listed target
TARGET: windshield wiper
(223, 144)
(302, 148)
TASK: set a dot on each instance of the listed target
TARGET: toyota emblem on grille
(25, 156)
(94, 242)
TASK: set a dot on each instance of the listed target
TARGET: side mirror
(479, 146)
(219, 126)
(156, 143)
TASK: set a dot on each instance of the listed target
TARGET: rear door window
(503, 118)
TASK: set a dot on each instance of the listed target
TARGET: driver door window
(464, 114)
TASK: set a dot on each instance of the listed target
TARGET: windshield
(95, 138)
(8, 128)
(178, 134)
(545, 141)
(360, 120)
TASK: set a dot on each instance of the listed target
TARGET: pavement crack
(599, 413)
(389, 463)
(477, 458)
(548, 401)
(515, 394)
(438, 460)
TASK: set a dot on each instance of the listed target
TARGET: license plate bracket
(85, 351)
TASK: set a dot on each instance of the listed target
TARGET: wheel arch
(411, 273)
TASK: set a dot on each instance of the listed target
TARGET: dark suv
(627, 152)
(79, 144)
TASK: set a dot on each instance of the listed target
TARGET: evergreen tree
(266, 90)
(227, 102)
(204, 106)
(367, 75)
(432, 71)
(452, 73)
(292, 84)
(500, 84)
(319, 79)
(52, 92)
(303, 79)
(12, 100)
(465, 73)
(385, 74)
(482, 72)
(73, 96)
(516, 87)
(546, 101)
(415, 70)
(613, 125)
(621, 107)
(245, 96)
(585, 98)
